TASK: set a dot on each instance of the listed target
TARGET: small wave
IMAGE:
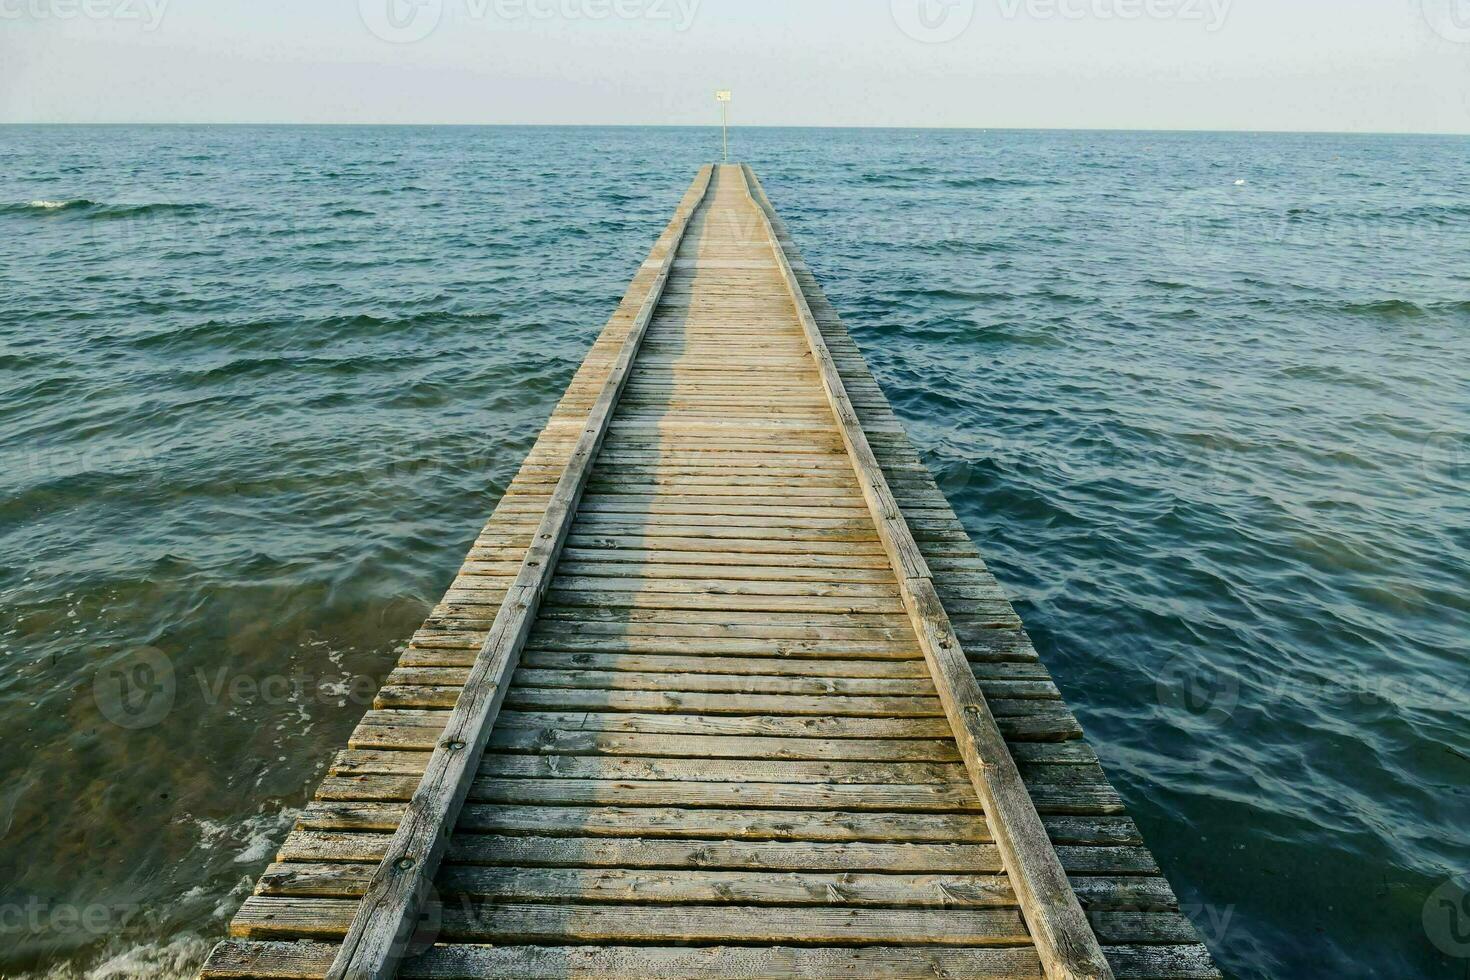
(1389, 308)
(952, 246)
(44, 206)
(1439, 214)
(133, 210)
(973, 182)
(918, 175)
(283, 342)
(952, 295)
(94, 209)
(1333, 374)
(1018, 335)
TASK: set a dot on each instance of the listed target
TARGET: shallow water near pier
(1202, 399)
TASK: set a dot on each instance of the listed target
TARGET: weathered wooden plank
(466, 917)
(757, 677)
(307, 961)
(747, 770)
(755, 725)
(702, 681)
(757, 721)
(394, 735)
(927, 797)
(682, 702)
(550, 741)
(663, 886)
(494, 922)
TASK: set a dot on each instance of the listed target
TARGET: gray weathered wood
(726, 701)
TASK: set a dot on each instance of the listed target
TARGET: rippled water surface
(1203, 399)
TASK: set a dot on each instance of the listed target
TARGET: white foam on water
(49, 205)
(180, 957)
(176, 959)
(253, 839)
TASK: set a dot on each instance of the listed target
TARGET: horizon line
(967, 129)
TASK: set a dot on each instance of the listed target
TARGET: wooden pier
(723, 690)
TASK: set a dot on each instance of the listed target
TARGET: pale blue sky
(1376, 65)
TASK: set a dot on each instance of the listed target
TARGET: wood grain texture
(724, 736)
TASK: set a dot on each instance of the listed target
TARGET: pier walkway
(723, 689)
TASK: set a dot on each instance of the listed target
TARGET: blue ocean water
(1203, 399)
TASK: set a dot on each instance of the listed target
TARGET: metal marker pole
(723, 98)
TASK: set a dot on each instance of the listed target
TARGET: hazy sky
(1378, 65)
